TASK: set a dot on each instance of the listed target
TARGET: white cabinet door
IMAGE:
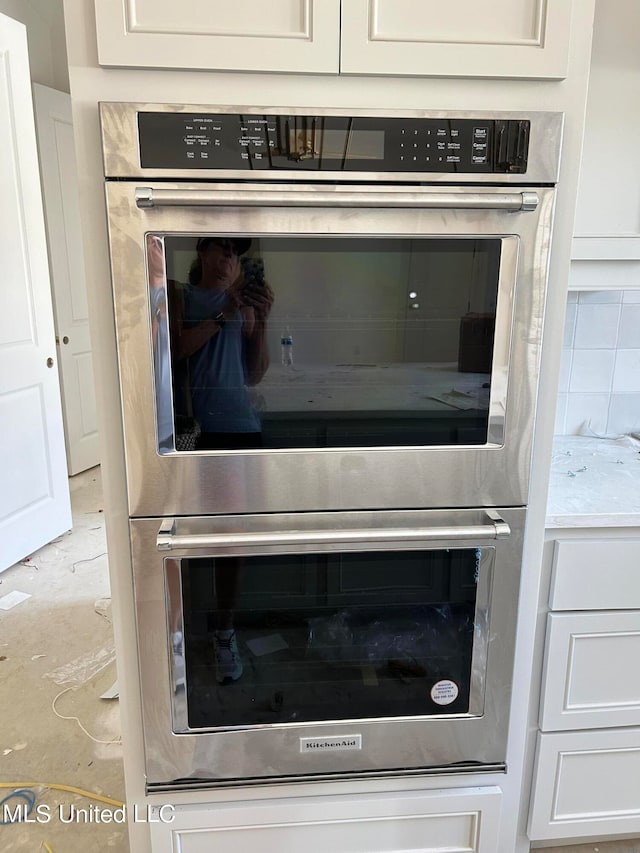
(504, 38)
(462, 820)
(595, 574)
(591, 676)
(608, 209)
(281, 35)
(586, 785)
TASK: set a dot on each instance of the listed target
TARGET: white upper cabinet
(608, 209)
(242, 35)
(506, 38)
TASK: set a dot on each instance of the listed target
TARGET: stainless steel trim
(147, 197)
(169, 540)
(206, 784)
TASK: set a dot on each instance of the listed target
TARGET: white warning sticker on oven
(444, 692)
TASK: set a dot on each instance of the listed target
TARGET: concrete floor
(60, 639)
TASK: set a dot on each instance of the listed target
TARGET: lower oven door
(308, 645)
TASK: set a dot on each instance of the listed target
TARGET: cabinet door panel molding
(512, 38)
(591, 677)
(462, 820)
(586, 785)
(282, 35)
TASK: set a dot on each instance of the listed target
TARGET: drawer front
(591, 674)
(586, 785)
(596, 574)
(462, 820)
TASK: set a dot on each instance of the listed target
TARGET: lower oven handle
(169, 540)
(146, 197)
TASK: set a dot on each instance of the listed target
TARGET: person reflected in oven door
(218, 334)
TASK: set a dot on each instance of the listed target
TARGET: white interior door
(54, 129)
(34, 492)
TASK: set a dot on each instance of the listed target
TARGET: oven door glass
(296, 638)
(307, 342)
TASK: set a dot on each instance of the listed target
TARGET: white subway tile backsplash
(561, 414)
(586, 412)
(565, 370)
(626, 376)
(599, 296)
(597, 326)
(592, 371)
(624, 414)
(599, 382)
(570, 324)
(629, 334)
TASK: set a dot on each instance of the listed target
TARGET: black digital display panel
(230, 141)
(349, 145)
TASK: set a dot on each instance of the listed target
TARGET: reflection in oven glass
(393, 341)
(277, 639)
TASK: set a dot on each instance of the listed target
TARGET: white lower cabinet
(587, 766)
(458, 820)
(586, 785)
(592, 677)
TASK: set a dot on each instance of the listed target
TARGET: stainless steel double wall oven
(328, 335)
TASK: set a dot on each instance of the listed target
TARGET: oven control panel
(251, 142)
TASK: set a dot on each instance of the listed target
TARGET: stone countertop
(594, 482)
(361, 388)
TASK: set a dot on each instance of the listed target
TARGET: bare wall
(44, 20)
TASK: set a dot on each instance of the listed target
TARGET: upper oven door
(315, 348)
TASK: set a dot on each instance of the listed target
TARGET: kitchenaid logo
(330, 744)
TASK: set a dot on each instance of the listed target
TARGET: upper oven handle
(169, 540)
(148, 197)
